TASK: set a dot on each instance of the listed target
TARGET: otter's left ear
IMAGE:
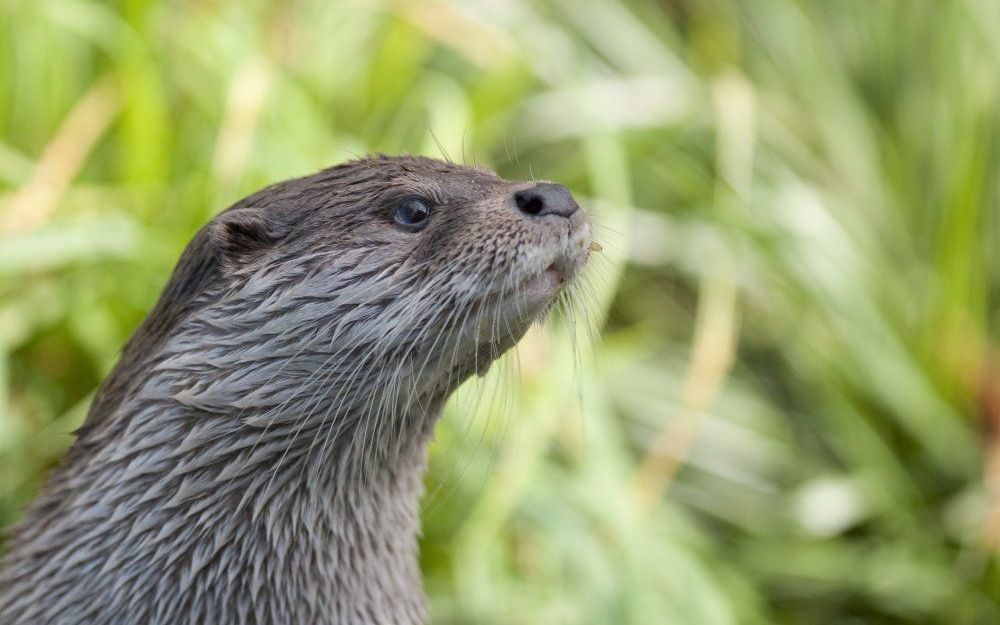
(240, 234)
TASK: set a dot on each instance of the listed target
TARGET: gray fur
(257, 455)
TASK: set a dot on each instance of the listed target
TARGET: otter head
(361, 296)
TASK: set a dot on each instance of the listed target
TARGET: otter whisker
(378, 408)
(375, 290)
(500, 389)
(416, 313)
(303, 419)
(358, 341)
(475, 406)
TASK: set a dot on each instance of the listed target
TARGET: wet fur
(257, 455)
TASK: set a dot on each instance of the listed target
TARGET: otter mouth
(532, 295)
(544, 284)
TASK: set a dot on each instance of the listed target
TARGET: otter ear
(240, 234)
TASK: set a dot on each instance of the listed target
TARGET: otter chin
(257, 454)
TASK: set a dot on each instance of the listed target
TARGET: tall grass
(791, 415)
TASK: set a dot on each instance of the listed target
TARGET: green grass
(790, 414)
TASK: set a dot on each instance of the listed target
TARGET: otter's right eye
(412, 213)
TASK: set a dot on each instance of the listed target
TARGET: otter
(257, 454)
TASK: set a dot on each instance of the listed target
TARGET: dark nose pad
(546, 198)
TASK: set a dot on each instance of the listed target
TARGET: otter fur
(257, 454)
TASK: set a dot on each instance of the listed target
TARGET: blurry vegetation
(793, 413)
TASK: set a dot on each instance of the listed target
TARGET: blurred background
(792, 412)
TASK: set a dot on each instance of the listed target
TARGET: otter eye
(412, 212)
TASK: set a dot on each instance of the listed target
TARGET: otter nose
(546, 198)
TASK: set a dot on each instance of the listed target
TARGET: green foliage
(791, 412)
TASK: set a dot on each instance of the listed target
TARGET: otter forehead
(422, 167)
(447, 181)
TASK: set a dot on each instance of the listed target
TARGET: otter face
(375, 285)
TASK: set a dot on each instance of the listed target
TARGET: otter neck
(330, 524)
(347, 532)
(219, 513)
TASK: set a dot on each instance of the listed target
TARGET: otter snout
(546, 198)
